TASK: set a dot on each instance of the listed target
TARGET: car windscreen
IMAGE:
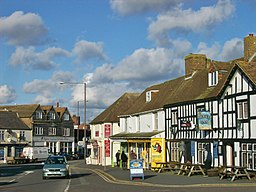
(55, 160)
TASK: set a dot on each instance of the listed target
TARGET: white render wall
(146, 122)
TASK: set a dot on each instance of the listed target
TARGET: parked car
(56, 166)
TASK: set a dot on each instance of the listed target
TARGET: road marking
(110, 179)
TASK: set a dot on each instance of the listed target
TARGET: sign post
(136, 169)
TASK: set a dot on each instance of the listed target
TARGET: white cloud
(146, 64)
(179, 20)
(31, 59)
(232, 49)
(23, 28)
(211, 52)
(134, 6)
(85, 50)
(47, 88)
(7, 94)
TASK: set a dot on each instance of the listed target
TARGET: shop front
(139, 146)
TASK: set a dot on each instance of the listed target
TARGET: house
(214, 106)
(14, 135)
(104, 126)
(50, 126)
(142, 126)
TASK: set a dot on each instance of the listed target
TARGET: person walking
(124, 159)
(208, 160)
(118, 158)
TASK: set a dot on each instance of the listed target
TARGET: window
(66, 132)
(242, 110)
(39, 131)
(22, 136)
(1, 135)
(175, 151)
(174, 117)
(52, 131)
(249, 156)
(51, 115)
(39, 115)
(66, 116)
(156, 121)
(213, 78)
(148, 96)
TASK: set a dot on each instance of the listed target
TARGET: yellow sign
(157, 151)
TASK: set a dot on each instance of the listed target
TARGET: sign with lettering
(204, 120)
(136, 168)
(107, 128)
(107, 148)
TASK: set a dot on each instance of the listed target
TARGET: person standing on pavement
(207, 160)
(124, 160)
(118, 158)
(133, 155)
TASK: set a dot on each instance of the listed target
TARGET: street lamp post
(85, 144)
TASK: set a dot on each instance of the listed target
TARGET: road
(29, 178)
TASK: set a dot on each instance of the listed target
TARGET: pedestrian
(133, 155)
(124, 160)
(207, 160)
(118, 158)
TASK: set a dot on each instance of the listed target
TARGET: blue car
(56, 166)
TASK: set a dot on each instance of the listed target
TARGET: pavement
(171, 179)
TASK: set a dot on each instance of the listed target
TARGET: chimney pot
(251, 34)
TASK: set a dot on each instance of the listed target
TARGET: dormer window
(66, 116)
(149, 94)
(213, 78)
(39, 115)
(51, 115)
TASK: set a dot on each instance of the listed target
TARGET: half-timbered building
(214, 105)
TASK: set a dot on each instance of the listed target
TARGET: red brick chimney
(194, 62)
(249, 47)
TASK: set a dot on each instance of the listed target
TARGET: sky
(114, 46)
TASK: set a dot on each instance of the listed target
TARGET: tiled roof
(10, 120)
(118, 107)
(249, 69)
(46, 108)
(24, 111)
(182, 89)
(60, 110)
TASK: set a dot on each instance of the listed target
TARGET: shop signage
(107, 148)
(157, 150)
(204, 120)
(136, 169)
(107, 128)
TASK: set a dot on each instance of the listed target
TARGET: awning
(137, 135)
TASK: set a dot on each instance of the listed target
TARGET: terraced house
(50, 126)
(212, 105)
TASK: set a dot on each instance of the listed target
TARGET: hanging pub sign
(204, 120)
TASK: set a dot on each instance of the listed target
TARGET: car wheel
(44, 178)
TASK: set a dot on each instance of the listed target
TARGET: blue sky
(115, 46)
